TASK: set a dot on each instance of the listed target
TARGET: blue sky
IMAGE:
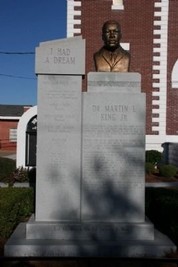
(23, 25)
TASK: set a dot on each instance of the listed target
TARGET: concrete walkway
(11, 156)
(8, 154)
(162, 184)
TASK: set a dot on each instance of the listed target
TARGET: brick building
(9, 118)
(150, 33)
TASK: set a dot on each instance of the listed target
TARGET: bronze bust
(112, 57)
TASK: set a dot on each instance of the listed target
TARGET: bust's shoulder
(99, 52)
(124, 52)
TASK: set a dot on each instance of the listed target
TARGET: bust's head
(111, 34)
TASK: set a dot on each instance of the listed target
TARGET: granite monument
(90, 188)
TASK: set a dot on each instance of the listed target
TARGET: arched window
(174, 77)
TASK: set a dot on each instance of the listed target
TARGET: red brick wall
(4, 135)
(137, 29)
(172, 94)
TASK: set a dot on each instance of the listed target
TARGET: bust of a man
(112, 57)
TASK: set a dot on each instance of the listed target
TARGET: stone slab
(59, 148)
(113, 174)
(90, 231)
(114, 82)
(66, 56)
(69, 39)
(19, 246)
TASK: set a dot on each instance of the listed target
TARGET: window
(13, 135)
(175, 75)
(117, 5)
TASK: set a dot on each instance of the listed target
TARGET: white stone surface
(114, 82)
(58, 148)
(66, 56)
(113, 154)
(89, 231)
(90, 188)
(19, 246)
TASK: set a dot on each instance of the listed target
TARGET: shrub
(161, 208)
(167, 170)
(7, 166)
(19, 175)
(153, 156)
(16, 204)
(9, 174)
(149, 168)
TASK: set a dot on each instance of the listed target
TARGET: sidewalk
(8, 154)
(162, 184)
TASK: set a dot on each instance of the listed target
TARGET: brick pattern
(73, 17)
(172, 93)
(95, 13)
(151, 29)
(5, 144)
(159, 81)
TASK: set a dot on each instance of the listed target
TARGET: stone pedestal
(113, 156)
(58, 148)
(60, 65)
(19, 246)
(90, 191)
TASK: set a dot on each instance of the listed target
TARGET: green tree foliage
(153, 156)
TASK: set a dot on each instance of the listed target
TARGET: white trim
(157, 76)
(9, 118)
(159, 22)
(71, 12)
(157, 32)
(155, 94)
(162, 67)
(117, 5)
(21, 135)
(155, 102)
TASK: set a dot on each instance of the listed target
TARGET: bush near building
(16, 205)
(161, 208)
(7, 167)
(154, 165)
(167, 170)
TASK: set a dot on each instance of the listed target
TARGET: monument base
(89, 231)
(20, 243)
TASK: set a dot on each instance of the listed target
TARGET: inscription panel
(58, 149)
(90, 231)
(114, 82)
(65, 56)
(113, 157)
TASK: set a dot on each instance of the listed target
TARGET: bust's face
(111, 36)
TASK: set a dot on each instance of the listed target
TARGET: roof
(12, 110)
